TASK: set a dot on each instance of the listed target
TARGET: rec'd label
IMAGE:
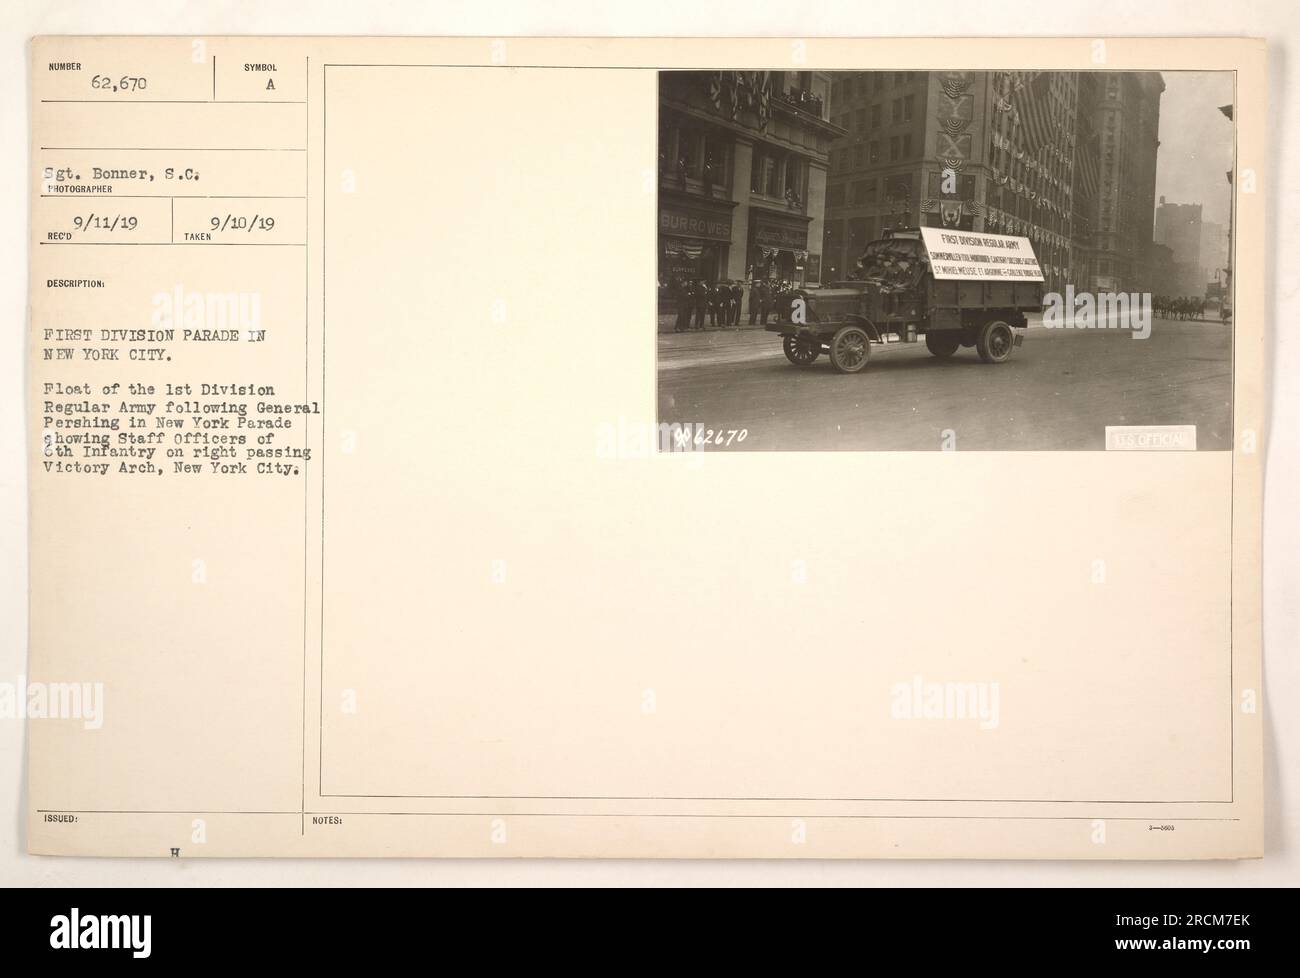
(975, 256)
(1151, 438)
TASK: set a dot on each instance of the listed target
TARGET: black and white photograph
(945, 260)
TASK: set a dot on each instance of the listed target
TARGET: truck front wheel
(801, 351)
(996, 340)
(849, 349)
(942, 343)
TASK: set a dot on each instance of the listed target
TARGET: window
(875, 116)
(909, 105)
(899, 186)
(794, 177)
(690, 144)
(765, 174)
(857, 236)
(835, 195)
(864, 192)
(859, 156)
(873, 151)
(834, 233)
(879, 77)
(860, 119)
(893, 149)
(716, 151)
(772, 185)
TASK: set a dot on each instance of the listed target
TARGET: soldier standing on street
(717, 300)
(757, 300)
(701, 303)
(682, 290)
(737, 297)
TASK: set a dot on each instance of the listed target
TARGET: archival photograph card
(765, 448)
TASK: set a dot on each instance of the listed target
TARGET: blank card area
(529, 614)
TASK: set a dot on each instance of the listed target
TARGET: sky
(1195, 142)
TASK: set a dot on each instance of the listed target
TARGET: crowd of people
(718, 304)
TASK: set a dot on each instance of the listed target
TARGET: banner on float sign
(970, 255)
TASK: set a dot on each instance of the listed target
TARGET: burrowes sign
(694, 223)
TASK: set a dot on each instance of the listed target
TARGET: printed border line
(980, 818)
(306, 432)
(1046, 801)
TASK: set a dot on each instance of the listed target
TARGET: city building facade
(742, 176)
(1066, 159)
(1120, 114)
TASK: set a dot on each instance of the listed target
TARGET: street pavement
(1059, 390)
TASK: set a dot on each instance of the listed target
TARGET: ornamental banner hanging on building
(734, 92)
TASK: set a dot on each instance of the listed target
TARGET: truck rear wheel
(849, 349)
(996, 341)
(942, 343)
(800, 351)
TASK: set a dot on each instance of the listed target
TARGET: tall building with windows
(1010, 152)
(742, 175)
(1118, 126)
(877, 166)
(1179, 228)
